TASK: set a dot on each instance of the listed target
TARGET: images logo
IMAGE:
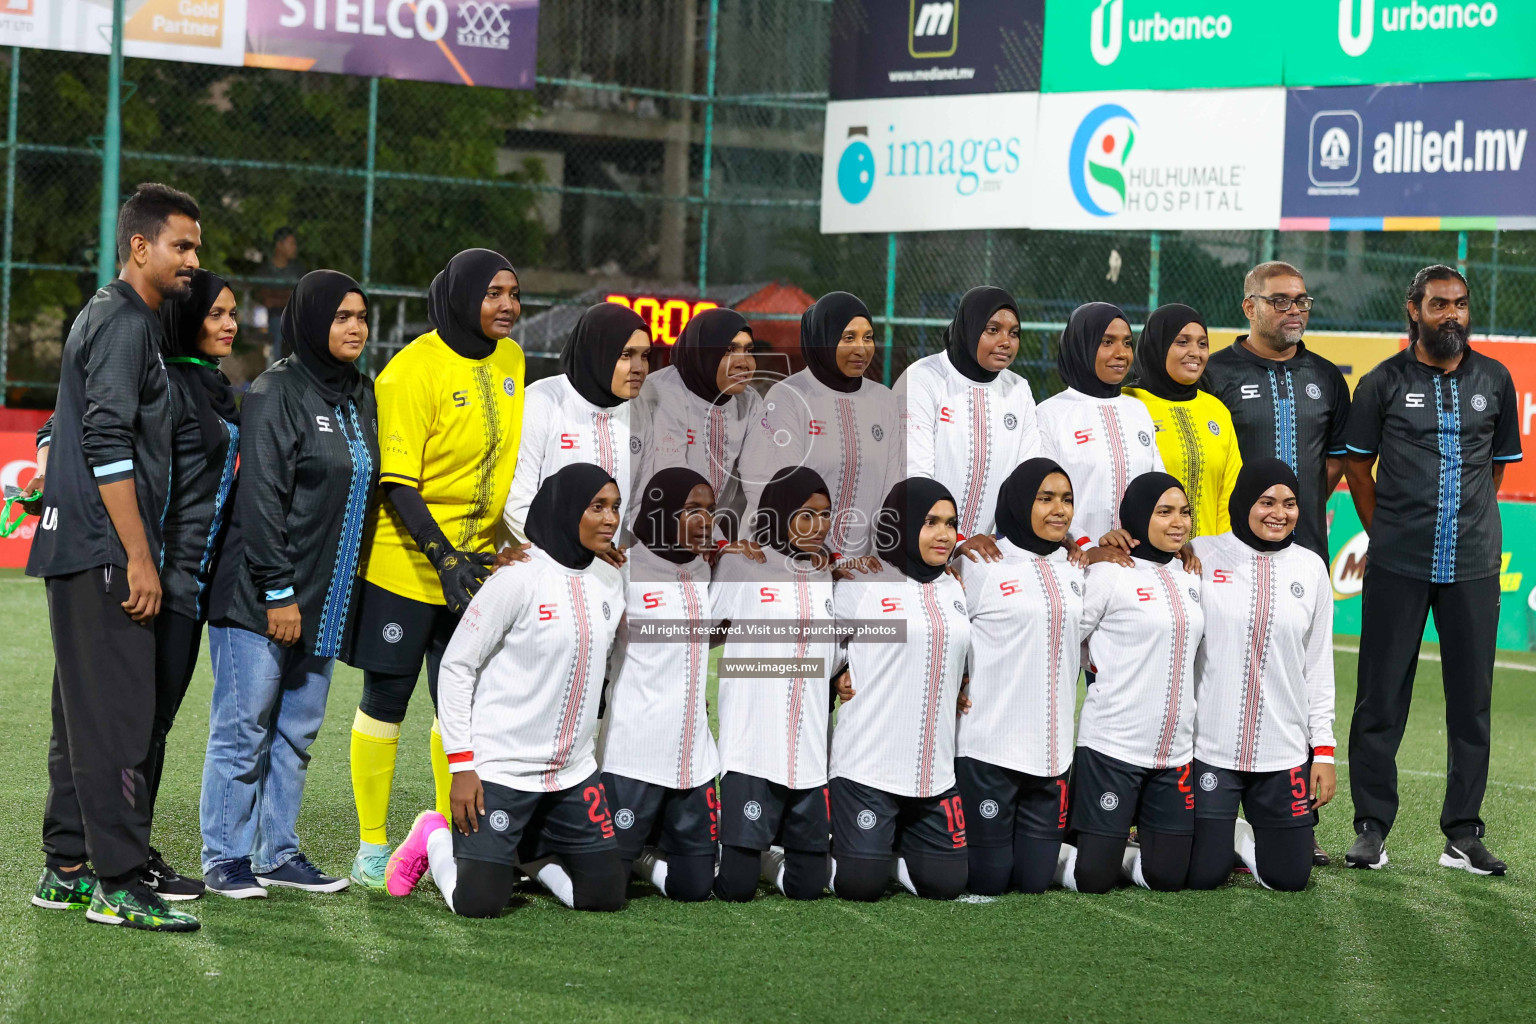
(856, 168)
(1335, 148)
(1104, 52)
(934, 21)
(1355, 38)
(1097, 160)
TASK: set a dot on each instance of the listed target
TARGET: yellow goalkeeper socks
(442, 778)
(374, 746)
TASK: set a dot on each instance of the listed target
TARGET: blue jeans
(268, 703)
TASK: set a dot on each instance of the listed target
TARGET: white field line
(1426, 656)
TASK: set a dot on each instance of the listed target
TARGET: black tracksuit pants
(177, 641)
(1393, 614)
(98, 805)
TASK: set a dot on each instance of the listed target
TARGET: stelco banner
(1163, 44)
(928, 164)
(472, 42)
(1449, 150)
(1195, 159)
(927, 48)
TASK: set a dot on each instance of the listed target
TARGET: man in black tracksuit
(99, 548)
(1444, 421)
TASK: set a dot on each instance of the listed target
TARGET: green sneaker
(369, 864)
(137, 906)
(57, 893)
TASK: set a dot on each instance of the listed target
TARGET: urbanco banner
(1186, 160)
(945, 163)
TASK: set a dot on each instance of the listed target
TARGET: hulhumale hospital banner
(884, 48)
(470, 42)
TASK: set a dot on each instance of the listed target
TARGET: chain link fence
(671, 147)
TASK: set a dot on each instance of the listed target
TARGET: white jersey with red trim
(774, 727)
(850, 439)
(656, 728)
(897, 734)
(1264, 675)
(684, 430)
(560, 428)
(1026, 647)
(1103, 444)
(966, 435)
(1143, 626)
(519, 685)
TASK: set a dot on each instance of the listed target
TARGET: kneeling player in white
(773, 729)
(517, 697)
(893, 752)
(1136, 737)
(1263, 689)
(659, 760)
(1015, 744)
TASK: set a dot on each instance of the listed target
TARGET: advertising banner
(928, 164)
(198, 31)
(886, 48)
(1452, 156)
(472, 42)
(1188, 160)
(1356, 42)
(18, 464)
(1163, 44)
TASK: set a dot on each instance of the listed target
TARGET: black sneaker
(1320, 858)
(168, 884)
(1469, 854)
(135, 905)
(299, 873)
(235, 880)
(1368, 851)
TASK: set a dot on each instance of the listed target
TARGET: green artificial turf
(1412, 942)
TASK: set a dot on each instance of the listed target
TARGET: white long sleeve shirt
(967, 436)
(656, 728)
(560, 428)
(852, 440)
(772, 727)
(519, 685)
(1143, 626)
(1103, 444)
(684, 430)
(1026, 642)
(1264, 674)
(897, 734)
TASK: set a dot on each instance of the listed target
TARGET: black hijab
(182, 319)
(453, 301)
(963, 335)
(1253, 480)
(554, 517)
(1136, 513)
(821, 327)
(790, 488)
(1016, 504)
(306, 331)
(900, 526)
(704, 343)
(1151, 364)
(1080, 347)
(662, 503)
(592, 351)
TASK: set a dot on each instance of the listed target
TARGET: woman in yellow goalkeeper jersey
(1194, 430)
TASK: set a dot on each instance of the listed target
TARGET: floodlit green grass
(1413, 942)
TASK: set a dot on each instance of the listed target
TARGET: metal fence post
(373, 148)
(711, 43)
(1154, 268)
(1268, 251)
(890, 307)
(111, 155)
(1493, 287)
(10, 222)
(1461, 253)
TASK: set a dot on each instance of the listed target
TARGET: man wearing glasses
(1287, 402)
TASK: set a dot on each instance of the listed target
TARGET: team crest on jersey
(867, 819)
(1479, 403)
(634, 446)
(1144, 438)
(1314, 392)
(752, 810)
(1214, 429)
(1109, 801)
(988, 808)
(829, 606)
(509, 386)
(960, 607)
(498, 820)
(1297, 590)
(624, 817)
(1010, 421)
(1208, 781)
(1194, 595)
(607, 612)
(1077, 588)
(393, 633)
(877, 431)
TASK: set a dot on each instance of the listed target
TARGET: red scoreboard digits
(667, 316)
